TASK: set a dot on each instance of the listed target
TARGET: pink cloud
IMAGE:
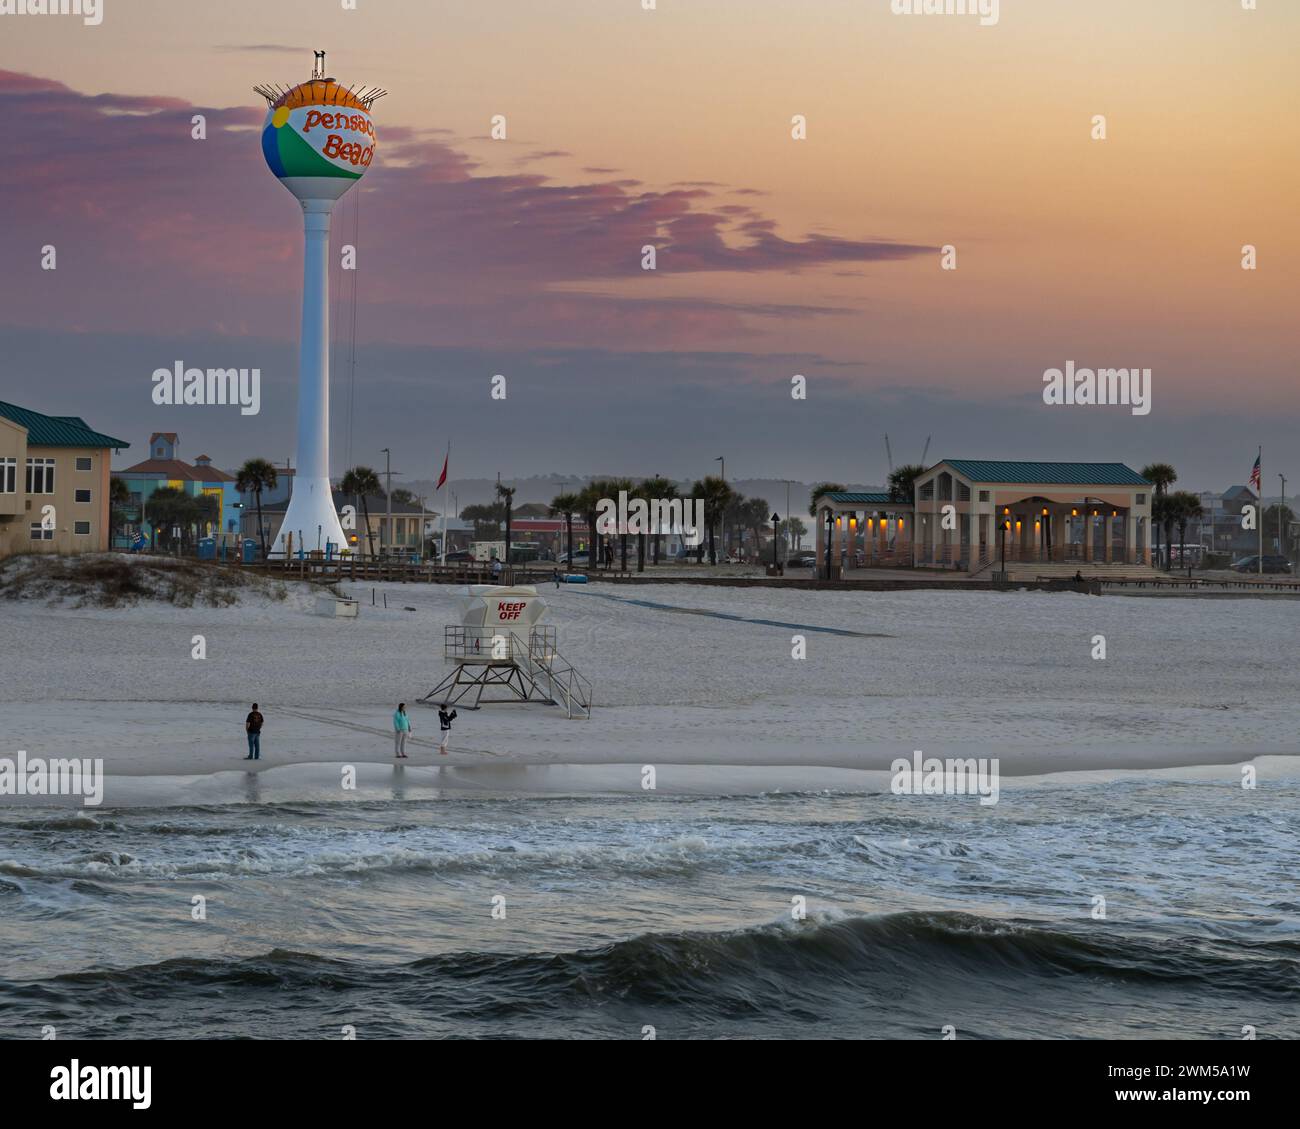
(157, 231)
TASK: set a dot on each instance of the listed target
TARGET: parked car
(801, 560)
(459, 556)
(1271, 564)
(580, 560)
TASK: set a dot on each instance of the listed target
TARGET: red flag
(443, 476)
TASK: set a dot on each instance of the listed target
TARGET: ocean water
(432, 914)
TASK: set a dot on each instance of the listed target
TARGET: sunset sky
(672, 127)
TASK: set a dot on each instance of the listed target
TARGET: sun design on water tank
(319, 129)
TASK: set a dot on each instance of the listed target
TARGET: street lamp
(776, 519)
(722, 517)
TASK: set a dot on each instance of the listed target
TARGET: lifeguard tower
(502, 654)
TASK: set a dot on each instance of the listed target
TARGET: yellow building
(54, 474)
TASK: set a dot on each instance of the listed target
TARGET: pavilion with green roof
(973, 514)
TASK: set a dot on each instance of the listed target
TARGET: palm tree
(1161, 476)
(820, 489)
(716, 494)
(363, 481)
(615, 485)
(118, 496)
(588, 497)
(256, 475)
(166, 505)
(817, 491)
(755, 513)
(639, 491)
(170, 508)
(902, 482)
(793, 530)
(506, 496)
(663, 489)
(1183, 506)
(565, 506)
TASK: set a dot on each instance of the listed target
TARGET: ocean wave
(678, 856)
(790, 966)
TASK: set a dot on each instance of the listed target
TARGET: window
(1141, 499)
(963, 492)
(83, 495)
(40, 476)
(83, 464)
(984, 495)
(39, 534)
(8, 476)
(81, 528)
(927, 491)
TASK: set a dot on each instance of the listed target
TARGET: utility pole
(789, 531)
(388, 496)
(1281, 526)
(722, 520)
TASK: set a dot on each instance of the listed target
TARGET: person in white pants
(444, 721)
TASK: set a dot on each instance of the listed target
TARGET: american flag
(1254, 474)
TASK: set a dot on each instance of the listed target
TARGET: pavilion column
(1058, 536)
(1130, 539)
(1088, 522)
(821, 540)
(1108, 524)
(837, 540)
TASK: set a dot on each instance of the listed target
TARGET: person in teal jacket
(401, 730)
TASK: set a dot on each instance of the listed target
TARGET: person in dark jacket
(253, 728)
(444, 721)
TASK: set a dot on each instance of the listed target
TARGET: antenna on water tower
(318, 70)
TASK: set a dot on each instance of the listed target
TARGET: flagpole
(1260, 518)
(446, 462)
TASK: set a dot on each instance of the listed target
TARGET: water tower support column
(312, 503)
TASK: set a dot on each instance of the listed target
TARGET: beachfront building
(54, 478)
(974, 514)
(866, 530)
(412, 524)
(164, 468)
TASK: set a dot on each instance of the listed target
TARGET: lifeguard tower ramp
(502, 655)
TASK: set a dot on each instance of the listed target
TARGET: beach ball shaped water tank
(318, 139)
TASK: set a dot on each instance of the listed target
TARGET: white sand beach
(683, 675)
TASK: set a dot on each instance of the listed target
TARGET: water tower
(319, 140)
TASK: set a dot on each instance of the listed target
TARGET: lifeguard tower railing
(528, 668)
